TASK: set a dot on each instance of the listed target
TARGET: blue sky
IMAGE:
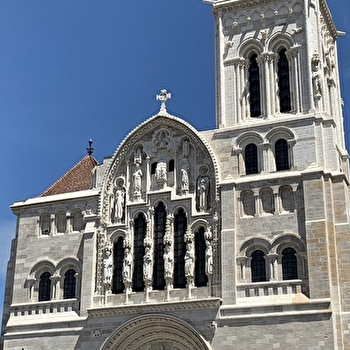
(74, 70)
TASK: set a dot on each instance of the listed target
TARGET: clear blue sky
(74, 70)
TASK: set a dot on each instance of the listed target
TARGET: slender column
(276, 200)
(242, 265)
(272, 264)
(148, 175)
(264, 150)
(235, 86)
(239, 165)
(256, 202)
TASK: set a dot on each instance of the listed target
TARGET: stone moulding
(210, 303)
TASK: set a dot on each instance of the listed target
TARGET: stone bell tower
(281, 149)
(275, 59)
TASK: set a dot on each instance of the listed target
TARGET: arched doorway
(155, 332)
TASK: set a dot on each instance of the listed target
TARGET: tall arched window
(69, 285)
(254, 87)
(281, 155)
(251, 159)
(258, 266)
(180, 225)
(61, 222)
(200, 277)
(45, 224)
(283, 82)
(77, 221)
(289, 264)
(45, 287)
(248, 203)
(118, 255)
(267, 200)
(159, 231)
(139, 251)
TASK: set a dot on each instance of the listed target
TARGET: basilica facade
(231, 238)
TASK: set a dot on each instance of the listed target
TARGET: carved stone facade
(232, 238)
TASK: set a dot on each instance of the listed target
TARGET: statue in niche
(209, 259)
(138, 156)
(119, 204)
(161, 172)
(316, 76)
(147, 264)
(189, 261)
(127, 265)
(107, 266)
(137, 176)
(168, 262)
(162, 139)
(203, 190)
(184, 180)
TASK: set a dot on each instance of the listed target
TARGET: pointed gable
(78, 178)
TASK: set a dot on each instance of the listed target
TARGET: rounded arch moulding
(164, 153)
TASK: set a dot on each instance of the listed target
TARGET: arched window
(45, 287)
(254, 87)
(69, 284)
(118, 255)
(281, 155)
(251, 159)
(267, 201)
(289, 264)
(45, 224)
(77, 221)
(200, 277)
(258, 266)
(139, 251)
(159, 231)
(180, 225)
(283, 82)
(286, 195)
(153, 168)
(248, 203)
(61, 222)
(171, 165)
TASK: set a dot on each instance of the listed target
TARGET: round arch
(150, 330)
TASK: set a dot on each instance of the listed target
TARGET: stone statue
(119, 204)
(107, 266)
(147, 265)
(209, 259)
(168, 262)
(127, 265)
(189, 261)
(316, 76)
(184, 180)
(203, 185)
(137, 180)
(161, 172)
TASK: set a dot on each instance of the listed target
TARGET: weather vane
(163, 96)
(90, 149)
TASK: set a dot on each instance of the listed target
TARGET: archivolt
(150, 330)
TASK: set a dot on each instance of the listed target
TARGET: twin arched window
(289, 265)
(69, 285)
(255, 84)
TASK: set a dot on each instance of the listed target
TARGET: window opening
(281, 154)
(139, 251)
(258, 266)
(118, 256)
(254, 87)
(45, 287)
(69, 284)
(200, 278)
(159, 231)
(283, 82)
(289, 264)
(251, 159)
(180, 226)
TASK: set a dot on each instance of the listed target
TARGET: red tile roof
(78, 178)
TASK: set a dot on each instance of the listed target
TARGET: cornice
(210, 303)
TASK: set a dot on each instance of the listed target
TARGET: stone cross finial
(163, 97)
